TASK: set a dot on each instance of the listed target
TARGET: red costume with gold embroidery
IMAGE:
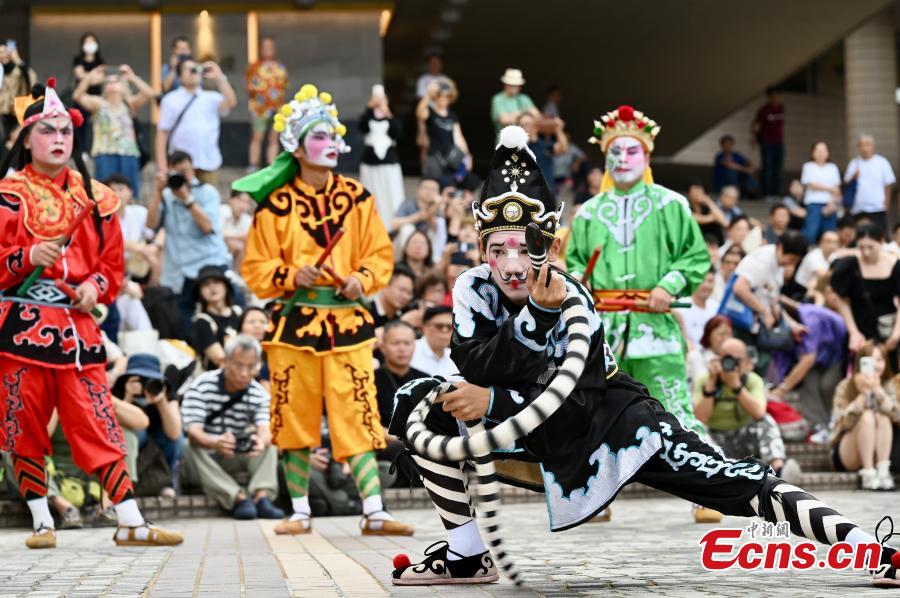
(52, 355)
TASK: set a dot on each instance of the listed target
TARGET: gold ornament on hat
(625, 121)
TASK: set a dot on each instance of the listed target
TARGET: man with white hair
(226, 416)
(874, 180)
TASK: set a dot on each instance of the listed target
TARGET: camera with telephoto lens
(729, 363)
(176, 181)
(153, 387)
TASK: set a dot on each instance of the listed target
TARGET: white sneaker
(869, 479)
(791, 472)
(885, 479)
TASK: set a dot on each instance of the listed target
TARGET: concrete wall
(807, 119)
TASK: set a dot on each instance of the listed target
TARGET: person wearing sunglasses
(432, 352)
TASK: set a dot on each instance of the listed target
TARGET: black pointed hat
(515, 192)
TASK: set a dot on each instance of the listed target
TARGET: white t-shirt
(198, 132)
(762, 271)
(232, 228)
(874, 174)
(813, 263)
(826, 174)
(696, 317)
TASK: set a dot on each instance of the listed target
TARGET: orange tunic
(290, 230)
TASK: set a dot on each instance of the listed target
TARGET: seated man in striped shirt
(226, 416)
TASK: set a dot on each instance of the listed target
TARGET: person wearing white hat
(508, 104)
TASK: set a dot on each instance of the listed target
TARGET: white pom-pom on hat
(513, 137)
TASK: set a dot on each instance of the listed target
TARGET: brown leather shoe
(42, 538)
(293, 528)
(156, 536)
(704, 515)
(384, 527)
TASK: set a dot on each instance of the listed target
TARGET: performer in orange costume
(51, 351)
(320, 347)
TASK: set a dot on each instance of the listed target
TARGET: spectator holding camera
(190, 117)
(16, 80)
(180, 50)
(865, 409)
(226, 415)
(731, 400)
(423, 211)
(541, 146)
(188, 210)
(115, 147)
(142, 384)
(448, 158)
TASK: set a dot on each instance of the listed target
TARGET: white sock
(129, 514)
(858, 536)
(301, 508)
(40, 513)
(373, 509)
(465, 540)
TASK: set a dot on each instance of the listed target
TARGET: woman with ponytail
(61, 253)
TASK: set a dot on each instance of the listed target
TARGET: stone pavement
(650, 548)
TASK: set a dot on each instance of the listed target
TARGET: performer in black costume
(509, 342)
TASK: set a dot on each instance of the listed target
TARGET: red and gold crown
(625, 121)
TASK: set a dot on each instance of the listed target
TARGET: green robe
(649, 238)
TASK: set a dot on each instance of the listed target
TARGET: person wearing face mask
(652, 249)
(322, 346)
(60, 226)
(87, 59)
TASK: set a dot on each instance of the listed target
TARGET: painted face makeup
(508, 259)
(50, 142)
(626, 160)
(321, 146)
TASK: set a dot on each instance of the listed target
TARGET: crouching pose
(510, 342)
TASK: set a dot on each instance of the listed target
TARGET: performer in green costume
(650, 250)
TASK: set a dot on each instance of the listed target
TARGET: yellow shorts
(302, 382)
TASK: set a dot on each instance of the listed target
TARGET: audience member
(458, 263)
(874, 180)
(767, 130)
(448, 158)
(416, 254)
(867, 285)
(731, 400)
(379, 168)
(551, 105)
(142, 384)
(707, 214)
(729, 198)
(779, 218)
(255, 322)
(594, 180)
(87, 59)
(432, 351)
(822, 196)
(507, 105)
(732, 168)
(894, 245)
(180, 50)
(422, 212)
(392, 301)
(217, 320)
(727, 265)
(397, 346)
(188, 210)
(818, 361)
(266, 81)
(846, 230)
(115, 149)
(226, 415)
(431, 289)
(815, 263)
(15, 81)
(760, 276)
(434, 71)
(190, 117)
(543, 149)
(237, 217)
(794, 202)
(865, 409)
(736, 235)
(703, 308)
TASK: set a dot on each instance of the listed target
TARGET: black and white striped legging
(447, 485)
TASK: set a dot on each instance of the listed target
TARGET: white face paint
(321, 145)
(626, 160)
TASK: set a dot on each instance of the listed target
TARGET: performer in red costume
(51, 353)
